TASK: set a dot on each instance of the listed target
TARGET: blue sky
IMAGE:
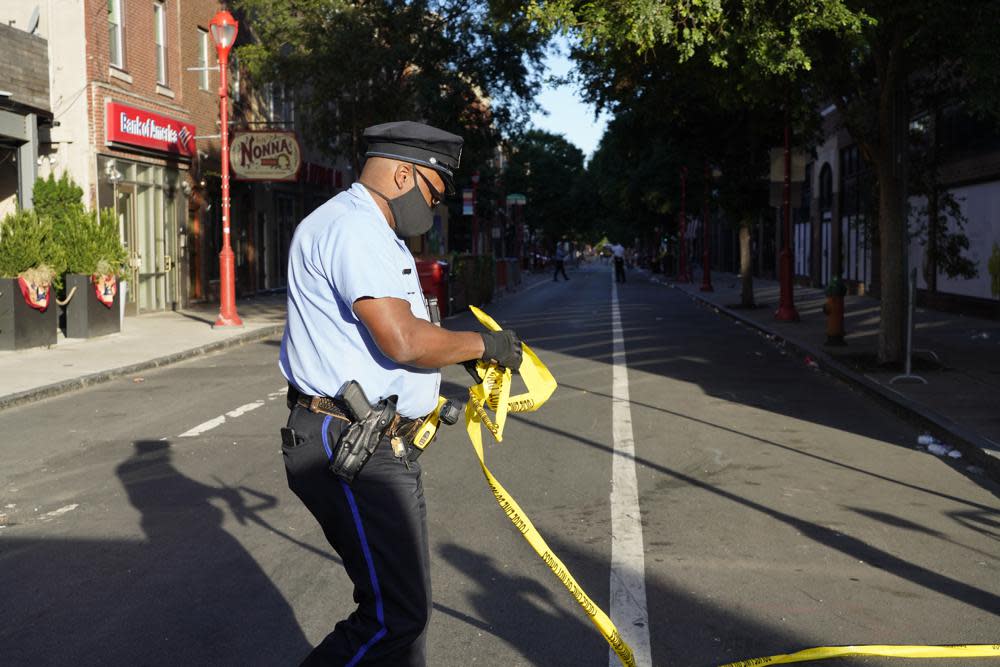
(568, 115)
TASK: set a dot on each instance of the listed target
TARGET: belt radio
(446, 412)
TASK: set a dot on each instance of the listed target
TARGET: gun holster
(368, 425)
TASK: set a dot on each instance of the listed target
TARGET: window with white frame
(280, 105)
(160, 30)
(116, 33)
(203, 45)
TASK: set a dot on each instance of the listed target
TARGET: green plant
(57, 198)
(87, 239)
(994, 267)
(91, 242)
(28, 241)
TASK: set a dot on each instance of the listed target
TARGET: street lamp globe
(224, 28)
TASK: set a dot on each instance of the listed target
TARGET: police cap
(417, 143)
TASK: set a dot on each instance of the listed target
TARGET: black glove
(503, 347)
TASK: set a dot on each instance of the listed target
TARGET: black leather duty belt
(402, 427)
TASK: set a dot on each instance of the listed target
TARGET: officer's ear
(403, 176)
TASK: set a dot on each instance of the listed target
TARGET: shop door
(125, 209)
(155, 221)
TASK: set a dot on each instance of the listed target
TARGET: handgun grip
(355, 400)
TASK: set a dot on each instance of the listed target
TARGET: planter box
(21, 326)
(86, 316)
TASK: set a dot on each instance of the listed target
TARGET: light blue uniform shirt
(342, 251)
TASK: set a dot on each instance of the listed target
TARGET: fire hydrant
(834, 311)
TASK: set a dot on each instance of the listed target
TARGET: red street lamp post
(786, 305)
(706, 269)
(683, 275)
(224, 28)
(475, 218)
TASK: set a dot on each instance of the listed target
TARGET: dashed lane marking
(48, 516)
(243, 409)
(203, 427)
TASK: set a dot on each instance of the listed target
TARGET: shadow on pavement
(832, 539)
(188, 594)
(668, 335)
(519, 611)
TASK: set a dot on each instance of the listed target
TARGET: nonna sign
(265, 156)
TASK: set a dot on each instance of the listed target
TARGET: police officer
(356, 312)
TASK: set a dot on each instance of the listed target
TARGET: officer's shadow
(522, 612)
(205, 600)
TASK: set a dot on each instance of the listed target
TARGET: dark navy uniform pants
(378, 526)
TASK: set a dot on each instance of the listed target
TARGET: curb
(974, 448)
(66, 386)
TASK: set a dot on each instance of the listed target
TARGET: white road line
(205, 426)
(628, 563)
(243, 409)
(57, 513)
(220, 420)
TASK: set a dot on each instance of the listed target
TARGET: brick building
(135, 123)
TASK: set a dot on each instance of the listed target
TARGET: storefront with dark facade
(24, 113)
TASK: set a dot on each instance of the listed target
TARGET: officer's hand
(503, 347)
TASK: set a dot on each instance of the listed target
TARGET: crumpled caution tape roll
(493, 393)
(825, 652)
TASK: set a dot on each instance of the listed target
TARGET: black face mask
(410, 211)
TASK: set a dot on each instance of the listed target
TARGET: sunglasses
(436, 196)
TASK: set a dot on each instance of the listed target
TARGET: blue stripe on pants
(379, 613)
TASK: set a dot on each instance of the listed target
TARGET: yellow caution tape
(826, 652)
(493, 393)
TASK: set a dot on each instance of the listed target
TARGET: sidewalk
(959, 405)
(147, 341)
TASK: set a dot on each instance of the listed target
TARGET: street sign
(265, 156)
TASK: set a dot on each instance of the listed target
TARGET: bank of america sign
(133, 126)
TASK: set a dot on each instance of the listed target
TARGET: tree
(870, 76)
(467, 67)
(671, 114)
(546, 168)
(861, 54)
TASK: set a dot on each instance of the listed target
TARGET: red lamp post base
(786, 306)
(223, 321)
(228, 316)
(683, 273)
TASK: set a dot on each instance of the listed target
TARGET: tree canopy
(547, 169)
(467, 67)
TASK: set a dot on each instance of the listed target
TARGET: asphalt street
(149, 522)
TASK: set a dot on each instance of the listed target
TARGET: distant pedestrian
(560, 262)
(619, 254)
